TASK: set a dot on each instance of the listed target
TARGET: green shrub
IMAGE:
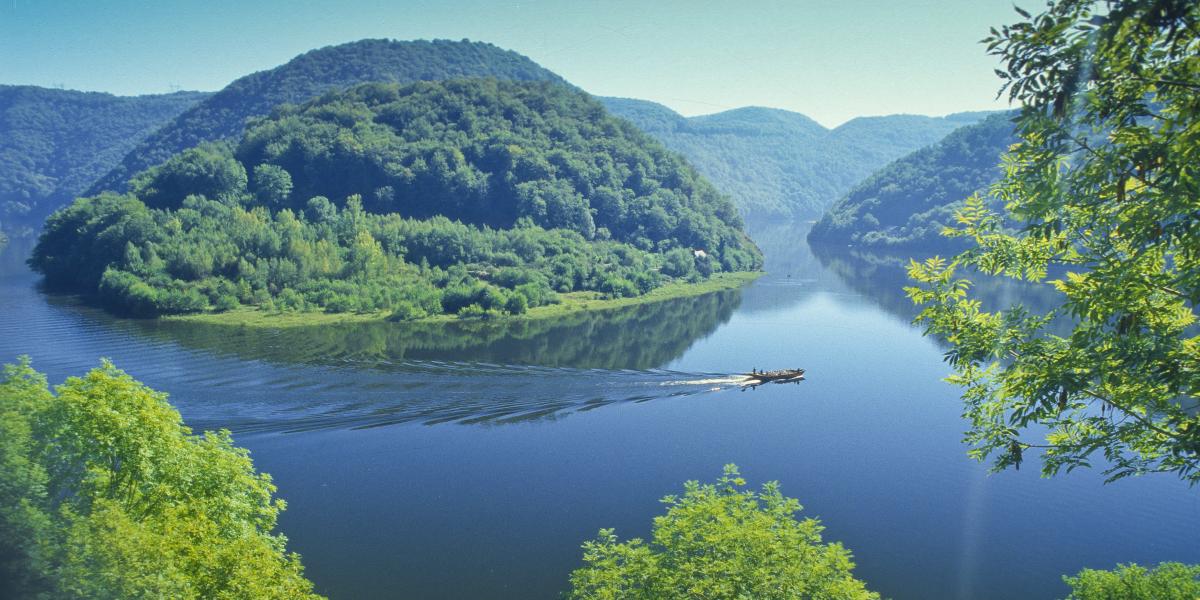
(406, 311)
(225, 302)
(719, 541)
(1167, 581)
(473, 311)
(516, 304)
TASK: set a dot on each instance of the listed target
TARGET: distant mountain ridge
(782, 164)
(906, 204)
(223, 115)
(54, 143)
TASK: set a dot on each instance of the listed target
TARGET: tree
(104, 493)
(272, 185)
(1168, 581)
(1106, 194)
(720, 541)
(206, 170)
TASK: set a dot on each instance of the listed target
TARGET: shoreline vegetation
(571, 303)
(462, 197)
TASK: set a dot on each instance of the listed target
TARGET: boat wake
(429, 392)
(715, 383)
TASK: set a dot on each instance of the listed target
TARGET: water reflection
(882, 278)
(353, 376)
(636, 337)
(13, 256)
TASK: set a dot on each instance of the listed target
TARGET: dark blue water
(472, 460)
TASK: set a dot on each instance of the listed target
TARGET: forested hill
(907, 203)
(54, 143)
(463, 196)
(781, 164)
(307, 76)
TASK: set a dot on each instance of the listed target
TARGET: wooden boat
(756, 378)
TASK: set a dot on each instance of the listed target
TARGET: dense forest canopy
(464, 196)
(906, 204)
(54, 143)
(223, 115)
(781, 164)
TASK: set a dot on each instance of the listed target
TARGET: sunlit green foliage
(1105, 188)
(104, 493)
(54, 143)
(212, 255)
(547, 194)
(1168, 581)
(906, 204)
(720, 541)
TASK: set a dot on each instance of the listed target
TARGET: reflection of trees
(636, 337)
(792, 270)
(882, 278)
(784, 249)
(13, 255)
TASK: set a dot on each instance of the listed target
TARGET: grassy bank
(571, 303)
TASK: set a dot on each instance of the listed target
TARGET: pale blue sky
(831, 59)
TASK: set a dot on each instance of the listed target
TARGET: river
(471, 460)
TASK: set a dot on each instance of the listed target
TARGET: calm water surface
(470, 461)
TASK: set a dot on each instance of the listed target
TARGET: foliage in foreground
(104, 493)
(720, 541)
(1167, 581)
(1106, 186)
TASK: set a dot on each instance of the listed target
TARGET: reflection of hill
(638, 337)
(13, 255)
(882, 278)
(793, 273)
(784, 249)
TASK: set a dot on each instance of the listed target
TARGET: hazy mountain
(906, 204)
(223, 115)
(54, 143)
(781, 164)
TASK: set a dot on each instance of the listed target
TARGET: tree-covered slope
(906, 204)
(307, 76)
(778, 163)
(54, 143)
(880, 140)
(434, 197)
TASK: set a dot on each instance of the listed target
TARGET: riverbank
(571, 303)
